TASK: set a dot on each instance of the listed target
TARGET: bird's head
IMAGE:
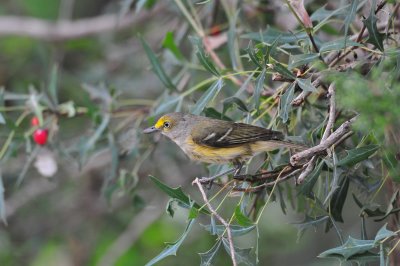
(169, 125)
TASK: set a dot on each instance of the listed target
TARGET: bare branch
(336, 136)
(225, 223)
(65, 29)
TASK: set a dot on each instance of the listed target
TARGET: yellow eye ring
(167, 124)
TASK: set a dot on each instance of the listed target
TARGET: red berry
(40, 136)
(35, 121)
(215, 30)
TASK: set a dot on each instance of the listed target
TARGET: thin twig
(227, 226)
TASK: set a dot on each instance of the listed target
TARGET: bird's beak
(150, 130)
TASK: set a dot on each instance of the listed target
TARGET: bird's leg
(238, 168)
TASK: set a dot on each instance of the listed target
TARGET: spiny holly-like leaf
(203, 57)
(382, 234)
(302, 59)
(371, 209)
(208, 96)
(236, 230)
(173, 247)
(307, 223)
(391, 206)
(306, 85)
(350, 248)
(157, 67)
(170, 44)
(284, 103)
(374, 36)
(241, 218)
(242, 255)
(176, 193)
(357, 155)
(207, 257)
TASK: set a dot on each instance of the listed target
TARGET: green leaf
(308, 223)
(232, 43)
(338, 199)
(236, 230)
(212, 113)
(301, 59)
(168, 103)
(382, 234)
(193, 213)
(391, 206)
(241, 218)
(350, 248)
(253, 56)
(208, 96)
(284, 103)
(157, 67)
(307, 187)
(259, 87)
(242, 255)
(171, 207)
(178, 194)
(371, 209)
(322, 14)
(207, 257)
(338, 45)
(374, 36)
(173, 247)
(2, 202)
(52, 86)
(357, 155)
(169, 43)
(87, 144)
(272, 34)
(233, 101)
(283, 71)
(203, 58)
(2, 120)
(350, 17)
(306, 85)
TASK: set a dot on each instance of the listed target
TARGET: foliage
(287, 79)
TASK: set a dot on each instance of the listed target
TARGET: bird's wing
(227, 134)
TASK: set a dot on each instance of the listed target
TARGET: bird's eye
(167, 124)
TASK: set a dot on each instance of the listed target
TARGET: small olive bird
(217, 141)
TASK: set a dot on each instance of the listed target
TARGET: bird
(217, 141)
